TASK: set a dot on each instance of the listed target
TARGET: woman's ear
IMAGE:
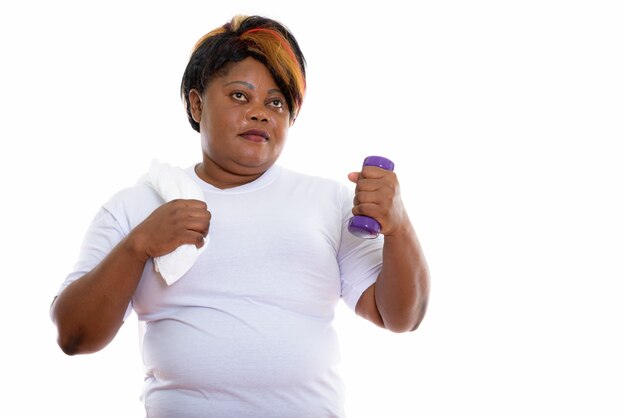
(292, 119)
(195, 105)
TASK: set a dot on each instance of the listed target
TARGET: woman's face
(244, 120)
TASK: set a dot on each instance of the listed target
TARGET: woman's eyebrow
(251, 86)
(245, 83)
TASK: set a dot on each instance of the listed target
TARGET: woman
(247, 331)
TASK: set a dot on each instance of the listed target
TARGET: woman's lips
(255, 135)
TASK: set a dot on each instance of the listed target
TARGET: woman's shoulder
(136, 201)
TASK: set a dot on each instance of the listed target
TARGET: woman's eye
(238, 96)
(276, 103)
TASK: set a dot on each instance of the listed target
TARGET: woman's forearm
(90, 311)
(403, 286)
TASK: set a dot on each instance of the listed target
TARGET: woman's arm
(90, 311)
(398, 299)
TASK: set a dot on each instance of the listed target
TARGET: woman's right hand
(178, 222)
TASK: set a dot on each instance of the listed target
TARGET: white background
(506, 120)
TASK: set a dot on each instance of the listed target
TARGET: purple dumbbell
(364, 226)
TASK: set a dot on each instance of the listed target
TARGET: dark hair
(263, 39)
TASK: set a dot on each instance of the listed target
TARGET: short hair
(261, 38)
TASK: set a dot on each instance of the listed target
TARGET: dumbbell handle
(364, 226)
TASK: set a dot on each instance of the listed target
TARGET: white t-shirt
(247, 331)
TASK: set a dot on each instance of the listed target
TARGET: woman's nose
(258, 113)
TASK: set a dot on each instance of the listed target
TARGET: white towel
(173, 183)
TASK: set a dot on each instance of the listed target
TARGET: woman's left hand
(377, 195)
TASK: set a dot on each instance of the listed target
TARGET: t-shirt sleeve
(102, 235)
(360, 260)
